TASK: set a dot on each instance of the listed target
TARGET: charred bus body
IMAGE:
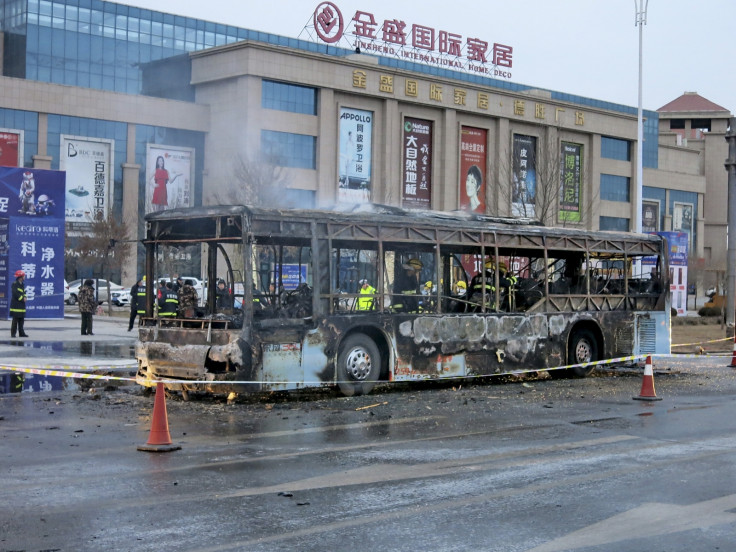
(321, 298)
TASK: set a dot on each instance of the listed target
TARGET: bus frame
(578, 298)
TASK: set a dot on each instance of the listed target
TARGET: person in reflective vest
(134, 302)
(18, 305)
(168, 301)
(508, 287)
(140, 302)
(366, 301)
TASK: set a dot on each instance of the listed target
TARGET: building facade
(253, 116)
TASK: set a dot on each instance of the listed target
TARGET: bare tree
(104, 246)
(544, 201)
(258, 180)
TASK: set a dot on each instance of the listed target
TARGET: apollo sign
(412, 42)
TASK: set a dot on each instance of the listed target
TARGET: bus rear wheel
(583, 347)
(358, 365)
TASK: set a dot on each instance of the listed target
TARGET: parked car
(120, 298)
(100, 287)
(67, 293)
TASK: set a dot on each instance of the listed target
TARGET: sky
(585, 47)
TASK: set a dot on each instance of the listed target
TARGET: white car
(67, 293)
(100, 287)
(121, 297)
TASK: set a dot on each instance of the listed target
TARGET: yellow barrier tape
(58, 371)
(703, 342)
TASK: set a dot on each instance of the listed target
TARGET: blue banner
(33, 202)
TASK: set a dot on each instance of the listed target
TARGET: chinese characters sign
(169, 177)
(417, 169)
(524, 176)
(88, 164)
(473, 169)
(570, 187)
(32, 240)
(649, 216)
(354, 168)
(412, 41)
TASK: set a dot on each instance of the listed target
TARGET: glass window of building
(615, 148)
(289, 150)
(614, 223)
(288, 97)
(615, 188)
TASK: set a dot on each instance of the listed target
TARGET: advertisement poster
(417, 170)
(682, 218)
(570, 187)
(88, 164)
(354, 178)
(473, 169)
(11, 150)
(524, 175)
(169, 177)
(677, 254)
(32, 202)
(649, 217)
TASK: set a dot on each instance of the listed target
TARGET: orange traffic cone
(647, 385)
(159, 440)
(733, 357)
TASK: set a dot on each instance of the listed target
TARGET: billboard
(354, 169)
(88, 164)
(11, 147)
(32, 238)
(416, 179)
(682, 217)
(571, 184)
(524, 176)
(649, 216)
(169, 177)
(473, 169)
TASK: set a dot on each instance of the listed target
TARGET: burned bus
(354, 297)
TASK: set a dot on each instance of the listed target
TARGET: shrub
(709, 311)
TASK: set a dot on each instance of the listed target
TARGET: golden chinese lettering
(518, 107)
(579, 118)
(482, 100)
(539, 111)
(410, 88)
(386, 84)
(359, 78)
(558, 110)
(435, 92)
(460, 96)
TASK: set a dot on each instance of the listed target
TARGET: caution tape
(65, 372)
(703, 342)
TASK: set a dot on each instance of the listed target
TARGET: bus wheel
(583, 347)
(358, 365)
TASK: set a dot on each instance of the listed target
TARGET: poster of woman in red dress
(169, 178)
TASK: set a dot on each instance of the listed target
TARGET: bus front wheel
(583, 347)
(358, 365)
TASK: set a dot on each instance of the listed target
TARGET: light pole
(641, 20)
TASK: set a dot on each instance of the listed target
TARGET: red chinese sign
(9, 146)
(417, 170)
(413, 42)
(473, 169)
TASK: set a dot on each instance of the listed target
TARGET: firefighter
(366, 301)
(18, 305)
(407, 285)
(168, 301)
(140, 302)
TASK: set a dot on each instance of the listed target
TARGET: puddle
(59, 352)
(123, 350)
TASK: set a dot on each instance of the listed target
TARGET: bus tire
(582, 347)
(358, 365)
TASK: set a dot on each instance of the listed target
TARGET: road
(521, 464)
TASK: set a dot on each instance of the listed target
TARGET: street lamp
(641, 20)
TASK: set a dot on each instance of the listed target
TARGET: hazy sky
(584, 47)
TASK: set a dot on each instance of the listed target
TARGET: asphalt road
(516, 464)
